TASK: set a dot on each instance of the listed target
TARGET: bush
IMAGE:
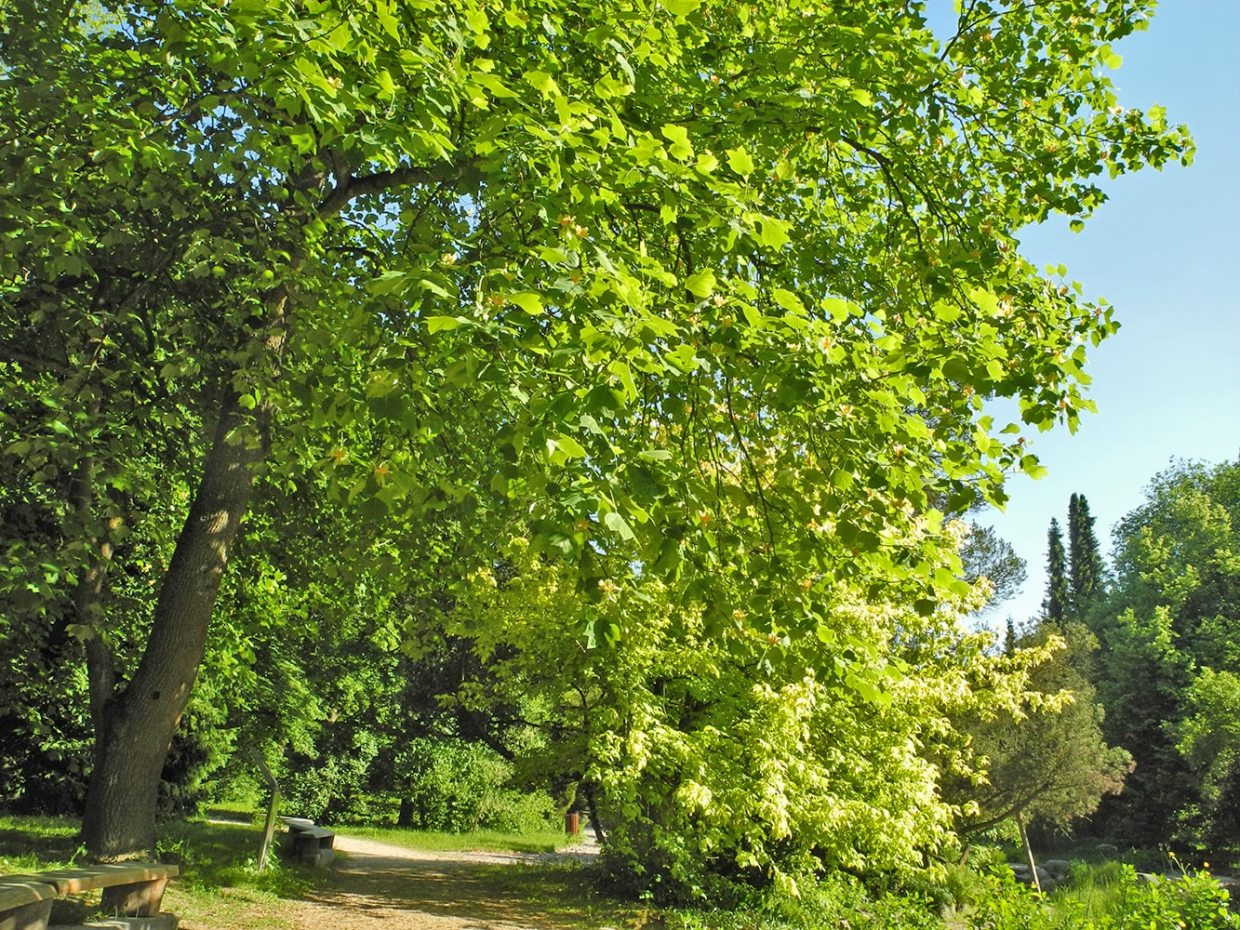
(332, 787)
(1127, 902)
(837, 900)
(456, 786)
(519, 812)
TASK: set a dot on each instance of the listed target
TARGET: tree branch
(348, 187)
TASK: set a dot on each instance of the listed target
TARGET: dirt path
(391, 888)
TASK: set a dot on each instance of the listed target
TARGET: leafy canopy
(646, 247)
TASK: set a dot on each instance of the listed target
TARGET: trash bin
(572, 823)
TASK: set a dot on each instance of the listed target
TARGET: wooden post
(270, 826)
(1033, 866)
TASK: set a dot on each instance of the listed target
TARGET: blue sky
(1166, 252)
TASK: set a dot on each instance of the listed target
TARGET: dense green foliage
(707, 773)
(1085, 565)
(636, 353)
(1048, 763)
(985, 554)
(1170, 629)
(1058, 592)
(221, 887)
(1110, 897)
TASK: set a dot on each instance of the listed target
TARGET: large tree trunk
(137, 727)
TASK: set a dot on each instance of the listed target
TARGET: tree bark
(88, 605)
(136, 731)
(405, 817)
(588, 790)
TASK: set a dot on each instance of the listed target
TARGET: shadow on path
(418, 890)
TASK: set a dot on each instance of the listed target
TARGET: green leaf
(789, 301)
(387, 283)
(840, 309)
(773, 233)
(625, 375)
(383, 13)
(495, 86)
(1030, 465)
(387, 86)
(655, 455)
(681, 8)
(569, 446)
(437, 324)
(542, 82)
(683, 358)
(701, 284)
(528, 301)
(868, 689)
(617, 524)
(740, 162)
(679, 137)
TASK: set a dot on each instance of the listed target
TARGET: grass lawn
(220, 886)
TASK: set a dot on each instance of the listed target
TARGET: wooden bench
(307, 843)
(131, 889)
(25, 904)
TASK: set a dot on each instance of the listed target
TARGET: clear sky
(1166, 252)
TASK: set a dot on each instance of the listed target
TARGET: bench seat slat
(72, 881)
(319, 833)
(17, 890)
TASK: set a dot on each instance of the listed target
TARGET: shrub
(455, 786)
(519, 812)
(332, 787)
(1194, 901)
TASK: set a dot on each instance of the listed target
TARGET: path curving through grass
(386, 887)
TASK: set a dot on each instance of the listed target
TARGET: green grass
(38, 843)
(219, 885)
(475, 841)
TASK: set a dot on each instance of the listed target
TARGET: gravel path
(392, 888)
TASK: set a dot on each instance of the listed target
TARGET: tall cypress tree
(1084, 560)
(1055, 606)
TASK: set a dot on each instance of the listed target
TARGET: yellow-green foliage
(726, 746)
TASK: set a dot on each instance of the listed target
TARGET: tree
(703, 775)
(1085, 567)
(1048, 762)
(1171, 651)
(1055, 604)
(985, 554)
(634, 250)
(1209, 740)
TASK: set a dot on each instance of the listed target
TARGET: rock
(1059, 868)
(1021, 871)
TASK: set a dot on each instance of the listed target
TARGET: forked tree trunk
(138, 724)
